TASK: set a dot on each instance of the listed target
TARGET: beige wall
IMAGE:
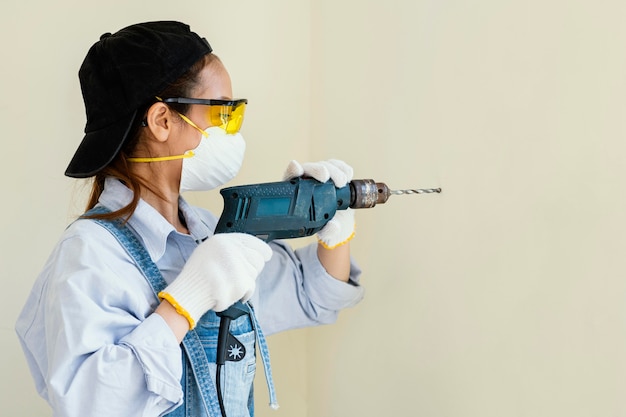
(503, 296)
(506, 294)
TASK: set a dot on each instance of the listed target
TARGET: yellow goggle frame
(225, 114)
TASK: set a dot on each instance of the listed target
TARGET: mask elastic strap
(192, 124)
(187, 154)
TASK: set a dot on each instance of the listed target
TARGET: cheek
(187, 139)
(193, 144)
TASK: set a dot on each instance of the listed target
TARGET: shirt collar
(147, 222)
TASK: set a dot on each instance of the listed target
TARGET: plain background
(502, 296)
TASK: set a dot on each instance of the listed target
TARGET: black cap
(123, 72)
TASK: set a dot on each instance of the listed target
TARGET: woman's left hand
(339, 229)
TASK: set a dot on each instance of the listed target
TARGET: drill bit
(415, 191)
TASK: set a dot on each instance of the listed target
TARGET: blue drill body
(281, 210)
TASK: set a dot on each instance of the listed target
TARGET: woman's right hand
(221, 270)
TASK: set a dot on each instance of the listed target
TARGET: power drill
(288, 209)
(298, 207)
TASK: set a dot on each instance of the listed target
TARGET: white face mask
(216, 161)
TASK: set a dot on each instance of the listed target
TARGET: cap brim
(98, 148)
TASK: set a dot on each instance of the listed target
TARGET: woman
(124, 318)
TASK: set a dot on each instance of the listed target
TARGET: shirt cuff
(159, 354)
(325, 290)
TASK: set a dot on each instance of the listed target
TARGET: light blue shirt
(94, 347)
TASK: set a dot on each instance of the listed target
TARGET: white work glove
(339, 229)
(220, 271)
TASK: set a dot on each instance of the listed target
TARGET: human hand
(220, 271)
(340, 229)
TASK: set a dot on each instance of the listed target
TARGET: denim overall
(199, 346)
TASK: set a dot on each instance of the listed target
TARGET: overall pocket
(237, 374)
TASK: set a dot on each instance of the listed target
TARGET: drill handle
(231, 313)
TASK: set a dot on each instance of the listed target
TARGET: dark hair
(119, 167)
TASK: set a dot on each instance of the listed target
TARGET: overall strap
(191, 343)
(265, 358)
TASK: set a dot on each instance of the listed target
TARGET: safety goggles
(226, 114)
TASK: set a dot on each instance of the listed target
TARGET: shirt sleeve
(294, 290)
(100, 350)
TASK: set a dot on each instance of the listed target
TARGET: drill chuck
(368, 193)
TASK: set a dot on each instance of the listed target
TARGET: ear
(159, 121)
